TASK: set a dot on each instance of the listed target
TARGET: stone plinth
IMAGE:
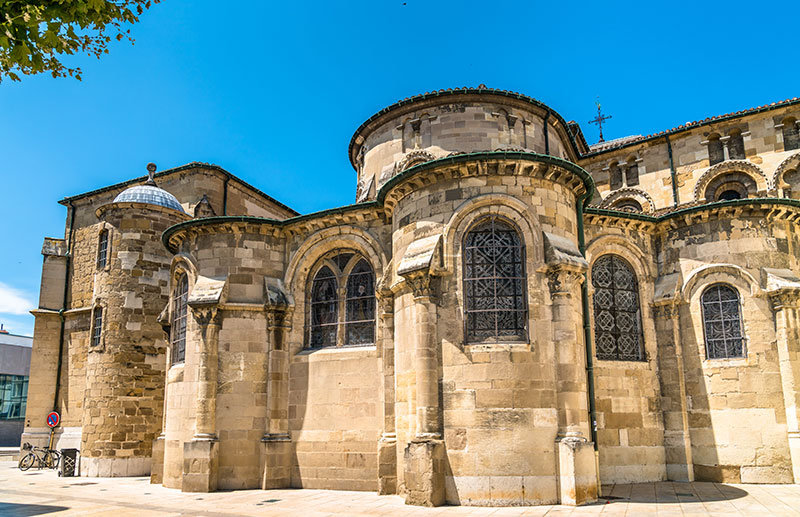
(200, 465)
(577, 475)
(276, 461)
(424, 474)
(157, 461)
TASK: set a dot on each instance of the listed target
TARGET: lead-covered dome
(150, 195)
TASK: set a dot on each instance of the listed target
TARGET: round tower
(126, 360)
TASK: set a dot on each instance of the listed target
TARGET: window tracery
(617, 317)
(342, 302)
(494, 283)
(722, 322)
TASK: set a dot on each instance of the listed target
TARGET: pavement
(42, 492)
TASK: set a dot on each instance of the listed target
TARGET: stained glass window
(179, 310)
(722, 322)
(342, 302)
(617, 318)
(360, 321)
(97, 326)
(494, 283)
(102, 249)
(324, 308)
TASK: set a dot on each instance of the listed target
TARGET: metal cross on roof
(599, 119)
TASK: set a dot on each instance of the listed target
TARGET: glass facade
(13, 394)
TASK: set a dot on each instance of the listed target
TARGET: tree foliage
(36, 34)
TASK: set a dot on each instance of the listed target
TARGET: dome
(149, 194)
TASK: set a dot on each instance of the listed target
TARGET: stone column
(786, 304)
(577, 469)
(201, 455)
(276, 466)
(672, 376)
(157, 462)
(424, 456)
(387, 445)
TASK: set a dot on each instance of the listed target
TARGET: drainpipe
(546, 133)
(587, 334)
(672, 173)
(64, 306)
(225, 195)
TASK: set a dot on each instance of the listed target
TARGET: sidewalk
(41, 492)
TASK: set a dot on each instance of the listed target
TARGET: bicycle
(42, 457)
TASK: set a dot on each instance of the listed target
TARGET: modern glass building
(15, 362)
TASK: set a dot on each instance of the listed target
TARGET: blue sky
(273, 91)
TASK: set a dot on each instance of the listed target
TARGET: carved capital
(422, 284)
(665, 310)
(206, 315)
(279, 319)
(386, 305)
(785, 298)
(562, 281)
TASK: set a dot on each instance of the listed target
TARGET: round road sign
(53, 419)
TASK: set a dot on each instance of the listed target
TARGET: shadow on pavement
(19, 510)
(683, 493)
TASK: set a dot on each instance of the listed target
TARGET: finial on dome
(151, 171)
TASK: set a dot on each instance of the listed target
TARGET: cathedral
(505, 316)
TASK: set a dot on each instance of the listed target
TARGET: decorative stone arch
(635, 194)
(745, 167)
(323, 241)
(303, 261)
(472, 210)
(619, 245)
(731, 274)
(412, 158)
(792, 162)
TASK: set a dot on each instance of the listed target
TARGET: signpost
(53, 419)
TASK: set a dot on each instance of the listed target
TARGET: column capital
(562, 280)
(665, 310)
(206, 315)
(279, 318)
(422, 284)
(785, 298)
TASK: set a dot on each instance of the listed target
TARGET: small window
(97, 326)
(180, 300)
(632, 174)
(731, 194)
(628, 204)
(716, 153)
(615, 176)
(791, 134)
(722, 322)
(736, 145)
(102, 249)
(495, 298)
(342, 302)
(617, 317)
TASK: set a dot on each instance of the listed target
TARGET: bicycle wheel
(27, 461)
(53, 458)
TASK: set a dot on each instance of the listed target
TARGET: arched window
(102, 249)
(342, 303)
(628, 204)
(736, 145)
(615, 176)
(97, 326)
(792, 179)
(495, 297)
(632, 173)
(360, 304)
(180, 298)
(617, 317)
(731, 185)
(722, 322)
(716, 153)
(791, 134)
